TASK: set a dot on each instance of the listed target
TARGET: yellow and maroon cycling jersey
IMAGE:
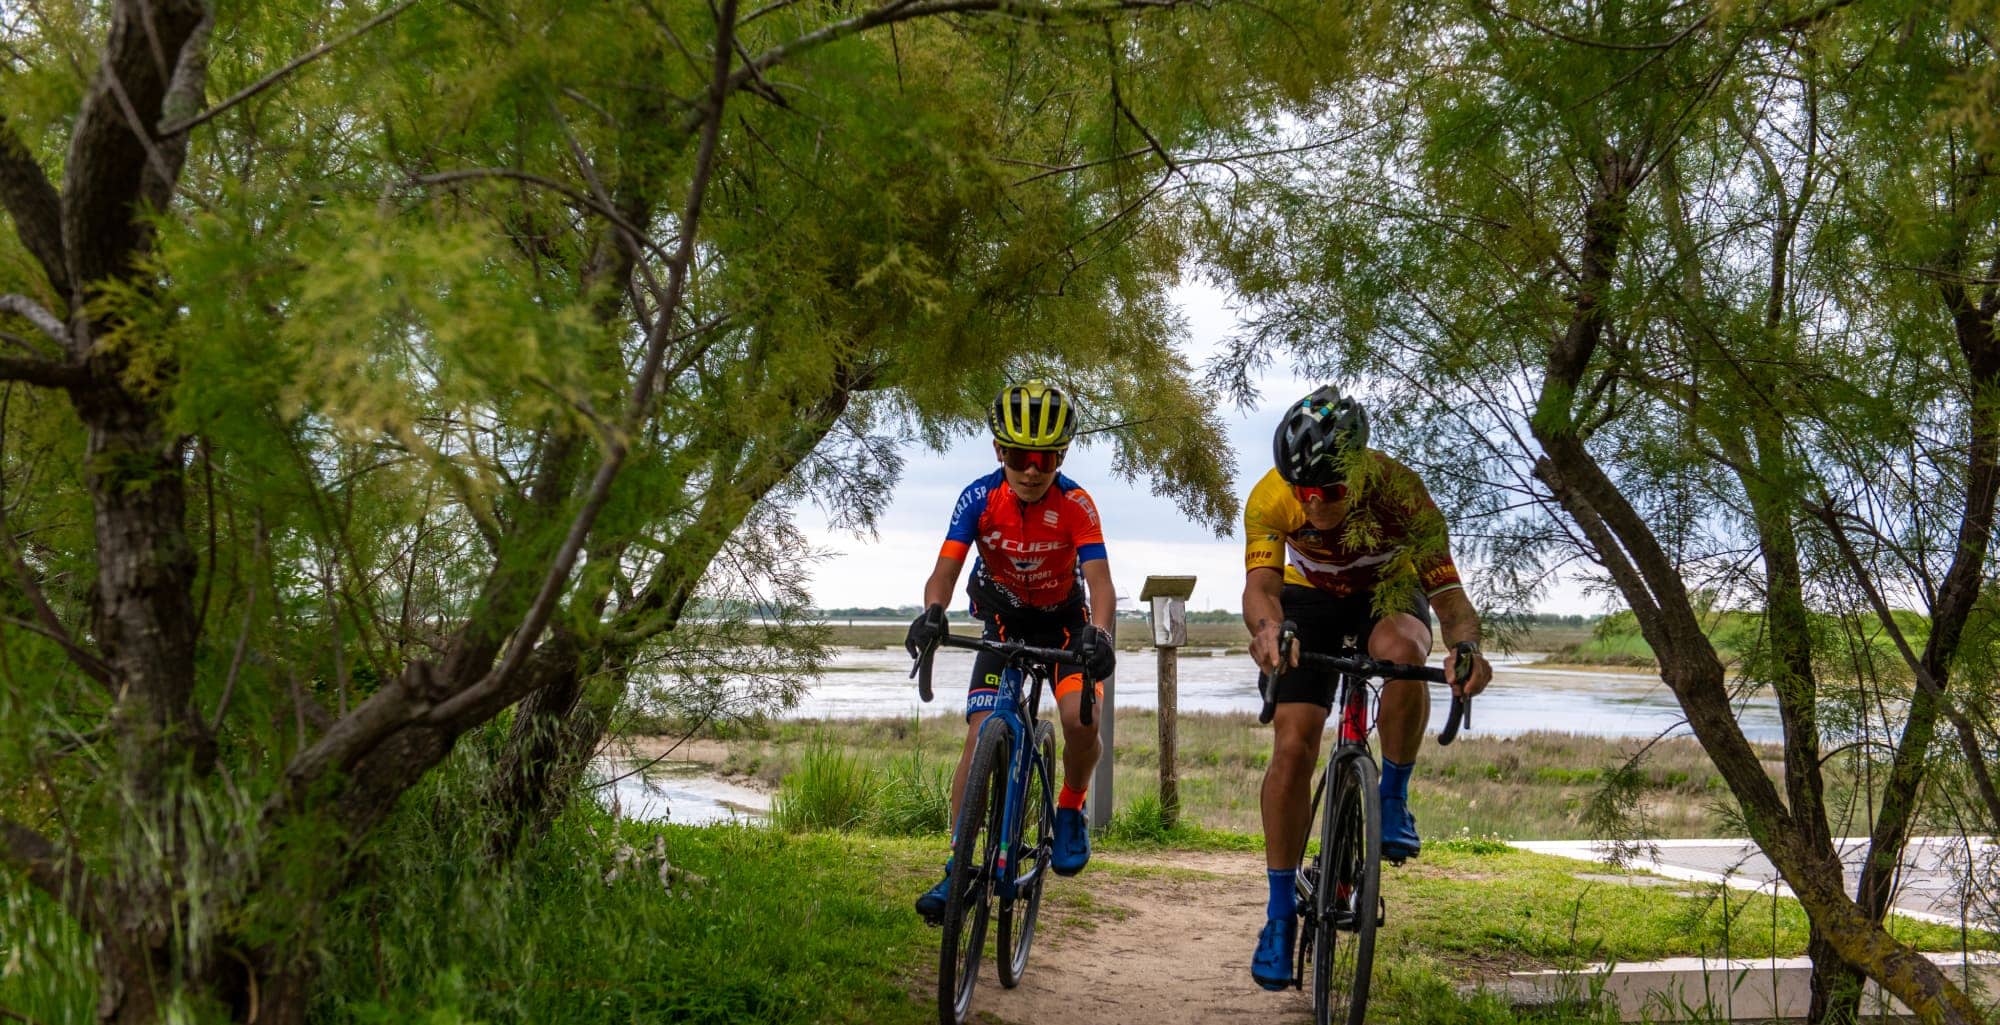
(1392, 530)
(1032, 553)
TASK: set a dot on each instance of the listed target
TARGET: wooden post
(1170, 777)
(1168, 596)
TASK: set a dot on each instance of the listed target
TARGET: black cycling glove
(925, 631)
(1095, 652)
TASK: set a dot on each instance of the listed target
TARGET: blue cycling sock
(1396, 780)
(1284, 898)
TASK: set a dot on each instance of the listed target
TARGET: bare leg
(1406, 704)
(1080, 744)
(1287, 794)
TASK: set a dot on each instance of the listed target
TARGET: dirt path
(1167, 944)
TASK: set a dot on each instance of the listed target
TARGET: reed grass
(1536, 786)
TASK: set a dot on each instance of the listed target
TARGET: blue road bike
(1006, 822)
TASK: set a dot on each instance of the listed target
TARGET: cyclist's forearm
(1261, 605)
(1103, 596)
(1457, 620)
(944, 577)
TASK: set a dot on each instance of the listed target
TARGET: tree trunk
(1651, 583)
(1836, 985)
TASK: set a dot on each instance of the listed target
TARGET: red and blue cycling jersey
(1032, 552)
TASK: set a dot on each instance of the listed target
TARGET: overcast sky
(1143, 534)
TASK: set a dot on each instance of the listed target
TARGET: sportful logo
(1050, 517)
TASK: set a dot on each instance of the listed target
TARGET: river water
(875, 683)
(868, 683)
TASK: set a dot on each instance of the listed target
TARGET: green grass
(832, 787)
(1511, 906)
(1140, 823)
(1736, 635)
(829, 789)
(759, 925)
(1536, 786)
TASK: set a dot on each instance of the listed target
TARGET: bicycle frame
(1016, 713)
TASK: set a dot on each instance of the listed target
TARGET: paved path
(1927, 888)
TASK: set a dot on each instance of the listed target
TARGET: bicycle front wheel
(1032, 843)
(974, 859)
(1347, 904)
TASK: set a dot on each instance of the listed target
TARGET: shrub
(915, 797)
(1142, 820)
(830, 790)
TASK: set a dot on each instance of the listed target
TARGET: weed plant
(914, 798)
(831, 789)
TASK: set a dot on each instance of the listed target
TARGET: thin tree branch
(294, 64)
(43, 372)
(602, 210)
(640, 405)
(62, 876)
(1599, 44)
(907, 10)
(28, 197)
(32, 312)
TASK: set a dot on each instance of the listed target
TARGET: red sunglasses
(1022, 460)
(1335, 493)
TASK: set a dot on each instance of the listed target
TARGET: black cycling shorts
(1325, 623)
(1041, 628)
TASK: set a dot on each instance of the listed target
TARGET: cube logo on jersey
(1031, 550)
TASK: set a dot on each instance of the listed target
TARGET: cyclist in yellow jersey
(1345, 542)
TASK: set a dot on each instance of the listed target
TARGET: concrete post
(1100, 780)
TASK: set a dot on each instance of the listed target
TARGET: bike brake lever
(1267, 683)
(1461, 704)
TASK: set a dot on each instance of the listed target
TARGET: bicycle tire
(974, 853)
(1030, 860)
(1347, 903)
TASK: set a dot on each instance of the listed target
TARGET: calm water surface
(866, 683)
(874, 683)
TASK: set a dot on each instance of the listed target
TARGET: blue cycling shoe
(1271, 966)
(1072, 842)
(1399, 831)
(931, 904)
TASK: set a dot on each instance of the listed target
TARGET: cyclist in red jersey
(1040, 576)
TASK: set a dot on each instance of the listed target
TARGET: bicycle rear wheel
(975, 855)
(1346, 905)
(1031, 845)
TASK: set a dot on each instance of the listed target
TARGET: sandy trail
(1170, 948)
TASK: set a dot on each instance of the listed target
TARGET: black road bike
(1006, 822)
(1340, 888)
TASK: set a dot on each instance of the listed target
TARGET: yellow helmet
(1033, 415)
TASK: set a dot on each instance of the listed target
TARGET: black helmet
(1316, 437)
(1033, 415)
